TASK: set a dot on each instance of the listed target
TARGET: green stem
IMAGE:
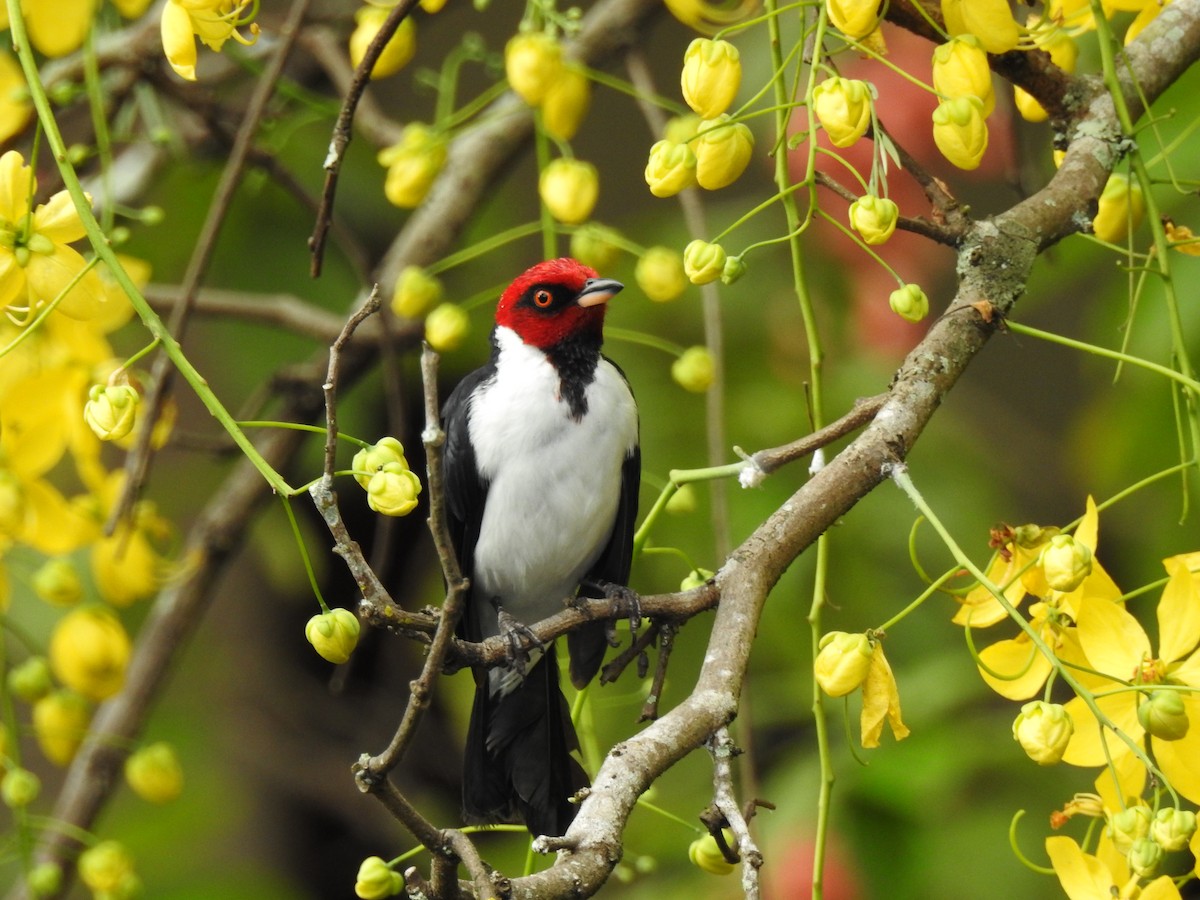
(104, 251)
(308, 568)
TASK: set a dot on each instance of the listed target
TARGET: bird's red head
(556, 300)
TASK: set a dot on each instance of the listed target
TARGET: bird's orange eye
(542, 298)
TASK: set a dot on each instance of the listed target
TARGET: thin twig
(369, 307)
(465, 850)
(864, 410)
(342, 130)
(666, 644)
(722, 749)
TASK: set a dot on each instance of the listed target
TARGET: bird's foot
(524, 647)
(628, 604)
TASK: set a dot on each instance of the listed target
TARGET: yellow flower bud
(597, 246)
(670, 168)
(1163, 715)
(154, 773)
(412, 164)
(723, 151)
(909, 303)
(712, 73)
(60, 720)
(694, 370)
(333, 634)
(446, 327)
(842, 662)
(705, 854)
(989, 20)
(683, 501)
(57, 582)
(854, 18)
(660, 275)
(432, 6)
(843, 107)
(31, 680)
(569, 188)
(960, 69)
(370, 460)
(376, 880)
(19, 788)
(566, 102)
(397, 52)
(89, 651)
(874, 218)
(1043, 730)
(1173, 828)
(1121, 209)
(1144, 857)
(1065, 562)
(44, 879)
(106, 868)
(1130, 825)
(703, 262)
(960, 132)
(416, 293)
(393, 490)
(533, 63)
(111, 410)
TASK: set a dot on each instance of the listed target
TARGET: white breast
(554, 483)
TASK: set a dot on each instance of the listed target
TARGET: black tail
(518, 763)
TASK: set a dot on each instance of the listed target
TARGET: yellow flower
(412, 164)
(60, 720)
(960, 132)
(1181, 238)
(376, 880)
(333, 634)
(909, 303)
(989, 20)
(597, 246)
(566, 102)
(874, 218)
(660, 275)
(1043, 730)
(710, 16)
(1121, 209)
(842, 662)
(670, 168)
(569, 188)
(107, 869)
(370, 460)
(393, 490)
(125, 565)
(1085, 877)
(36, 265)
(533, 63)
(1118, 649)
(59, 27)
(154, 773)
(881, 702)
(416, 293)
(711, 76)
(854, 18)
(694, 370)
(15, 106)
(960, 69)
(111, 410)
(706, 854)
(703, 262)
(843, 107)
(213, 22)
(1065, 562)
(397, 52)
(446, 327)
(89, 651)
(723, 150)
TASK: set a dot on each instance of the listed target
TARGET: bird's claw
(522, 642)
(628, 604)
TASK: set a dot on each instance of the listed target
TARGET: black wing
(466, 490)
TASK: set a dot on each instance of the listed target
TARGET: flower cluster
(1134, 707)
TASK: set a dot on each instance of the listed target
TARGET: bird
(542, 465)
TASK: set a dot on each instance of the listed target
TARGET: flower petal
(1177, 759)
(179, 41)
(1085, 748)
(1025, 666)
(1123, 780)
(1112, 639)
(980, 608)
(1178, 611)
(1082, 876)
(58, 219)
(881, 700)
(16, 185)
